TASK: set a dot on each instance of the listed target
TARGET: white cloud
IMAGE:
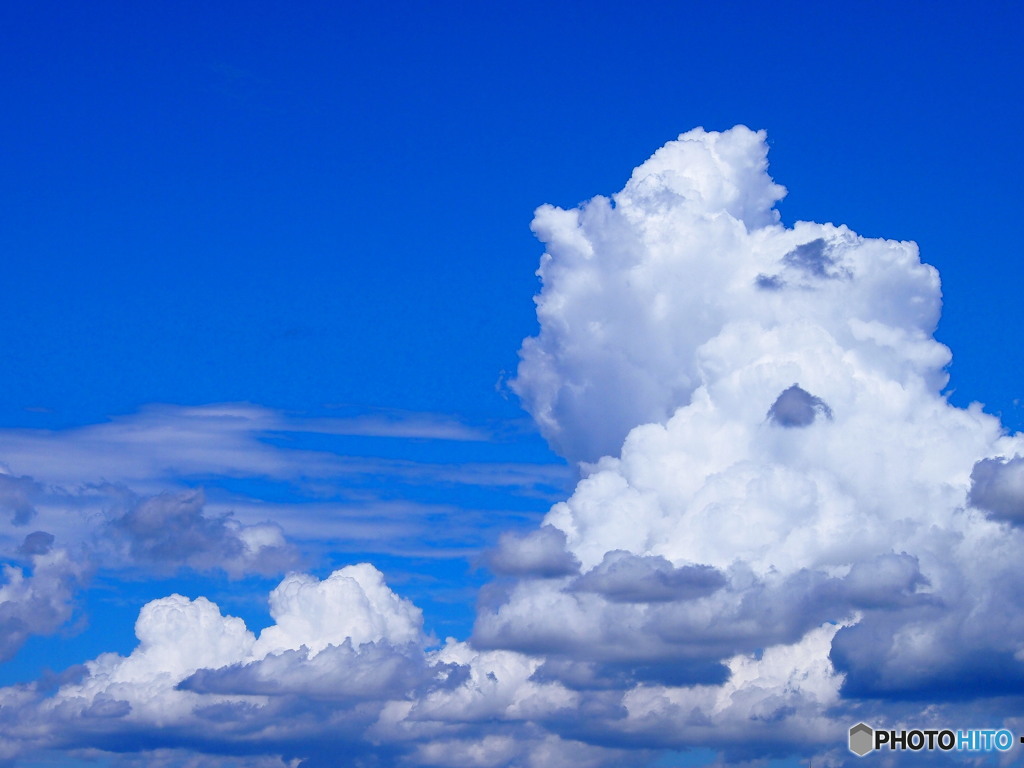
(352, 603)
(168, 531)
(176, 637)
(781, 524)
(152, 449)
(637, 287)
(776, 700)
(997, 487)
(121, 496)
(796, 407)
(42, 601)
(537, 553)
(347, 615)
(147, 466)
(676, 317)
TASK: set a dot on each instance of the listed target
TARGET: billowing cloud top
(782, 526)
(649, 293)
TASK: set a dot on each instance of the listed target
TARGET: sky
(508, 385)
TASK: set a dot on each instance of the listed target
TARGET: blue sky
(210, 204)
(268, 269)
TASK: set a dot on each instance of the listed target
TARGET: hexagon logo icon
(862, 739)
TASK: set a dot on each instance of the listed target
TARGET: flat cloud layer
(782, 527)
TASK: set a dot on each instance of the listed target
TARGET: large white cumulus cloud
(637, 285)
(763, 402)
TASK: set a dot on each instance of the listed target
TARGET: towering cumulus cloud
(777, 518)
(782, 528)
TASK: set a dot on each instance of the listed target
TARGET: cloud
(623, 577)
(353, 603)
(339, 673)
(637, 287)
(746, 564)
(123, 495)
(16, 497)
(159, 534)
(255, 464)
(343, 664)
(40, 602)
(796, 407)
(347, 639)
(538, 553)
(615, 329)
(672, 321)
(997, 487)
(634, 618)
(37, 543)
(168, 531)
(163, 442)
(813, 259)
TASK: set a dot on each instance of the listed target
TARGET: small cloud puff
(172, 530)
(352, 604)
(623, 577)
(40, 601)
(37, 543)
(997, 487)
(17, 497)
(797, 407)
(540, 553)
